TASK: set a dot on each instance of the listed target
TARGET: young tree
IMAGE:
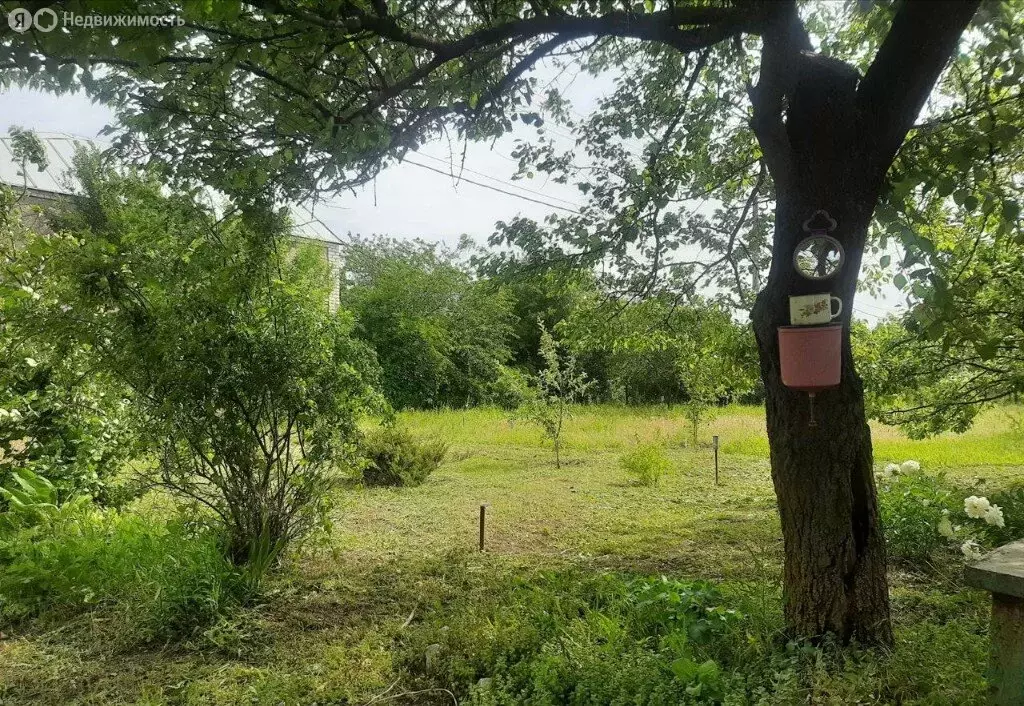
(322, 98)
(220, 331)
(557, 387)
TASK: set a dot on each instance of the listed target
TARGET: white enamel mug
(811, 309)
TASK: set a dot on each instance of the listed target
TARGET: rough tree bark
(828, 139)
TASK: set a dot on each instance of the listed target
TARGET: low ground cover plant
(150, 580)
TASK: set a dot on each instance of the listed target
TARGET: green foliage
(557, 387)
(913, 505)
(958, 343)
(394, 457)
(31, 500)
(646, 463)
(56, 418)
(151, 580)
(441, 337)
(27, 148)
(656, 350)
(220, 331)
(567, 639)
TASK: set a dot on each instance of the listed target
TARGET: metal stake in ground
(714, 441)
(483, 521)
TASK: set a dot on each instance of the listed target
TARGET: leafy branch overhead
(282, 97)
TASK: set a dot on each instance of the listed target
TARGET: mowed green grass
(590, 508)
(400, 565)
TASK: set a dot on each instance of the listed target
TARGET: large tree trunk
(835, 576)
(835, 579)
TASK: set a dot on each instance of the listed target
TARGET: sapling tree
(557, 386)
(703, 391)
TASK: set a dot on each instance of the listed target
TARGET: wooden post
(714, 440)
(483, 520)
(1001, 572)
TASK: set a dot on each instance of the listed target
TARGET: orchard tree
(768, 110)
(558, 385)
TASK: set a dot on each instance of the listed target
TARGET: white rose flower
(994, 516)
(910, 466)
(971, 550)
(891, 470)
(976, 507)
(945, 528)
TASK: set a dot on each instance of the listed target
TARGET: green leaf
(900, 281)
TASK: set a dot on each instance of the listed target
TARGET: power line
(500, 181)
(494, 188)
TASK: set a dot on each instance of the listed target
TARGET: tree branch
(921, 40)
(784, 37)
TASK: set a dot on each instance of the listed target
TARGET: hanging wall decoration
(810, 349)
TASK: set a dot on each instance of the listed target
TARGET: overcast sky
(407, 200)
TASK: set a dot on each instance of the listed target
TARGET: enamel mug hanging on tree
(810, 349)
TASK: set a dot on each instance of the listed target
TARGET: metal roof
(57, 179)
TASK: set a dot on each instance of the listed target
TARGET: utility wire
(500, 181)
(494, 188)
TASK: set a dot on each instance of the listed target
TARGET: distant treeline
(446, 335)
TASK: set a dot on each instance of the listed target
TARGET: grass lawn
(554, 599)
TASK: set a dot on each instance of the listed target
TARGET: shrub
(646, 463)
(221, 329)
(913, 505)
(155, 581)
(395, 458)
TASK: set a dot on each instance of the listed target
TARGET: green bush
(1011, 500)
(646, 463)
(153, 580)
(220, 330)
(394, 457)
(912, 506)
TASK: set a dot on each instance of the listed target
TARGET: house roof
(57, 179)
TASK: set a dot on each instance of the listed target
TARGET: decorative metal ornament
(819, 256)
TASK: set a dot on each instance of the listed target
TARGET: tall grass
(151, 580)
(992, 441)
